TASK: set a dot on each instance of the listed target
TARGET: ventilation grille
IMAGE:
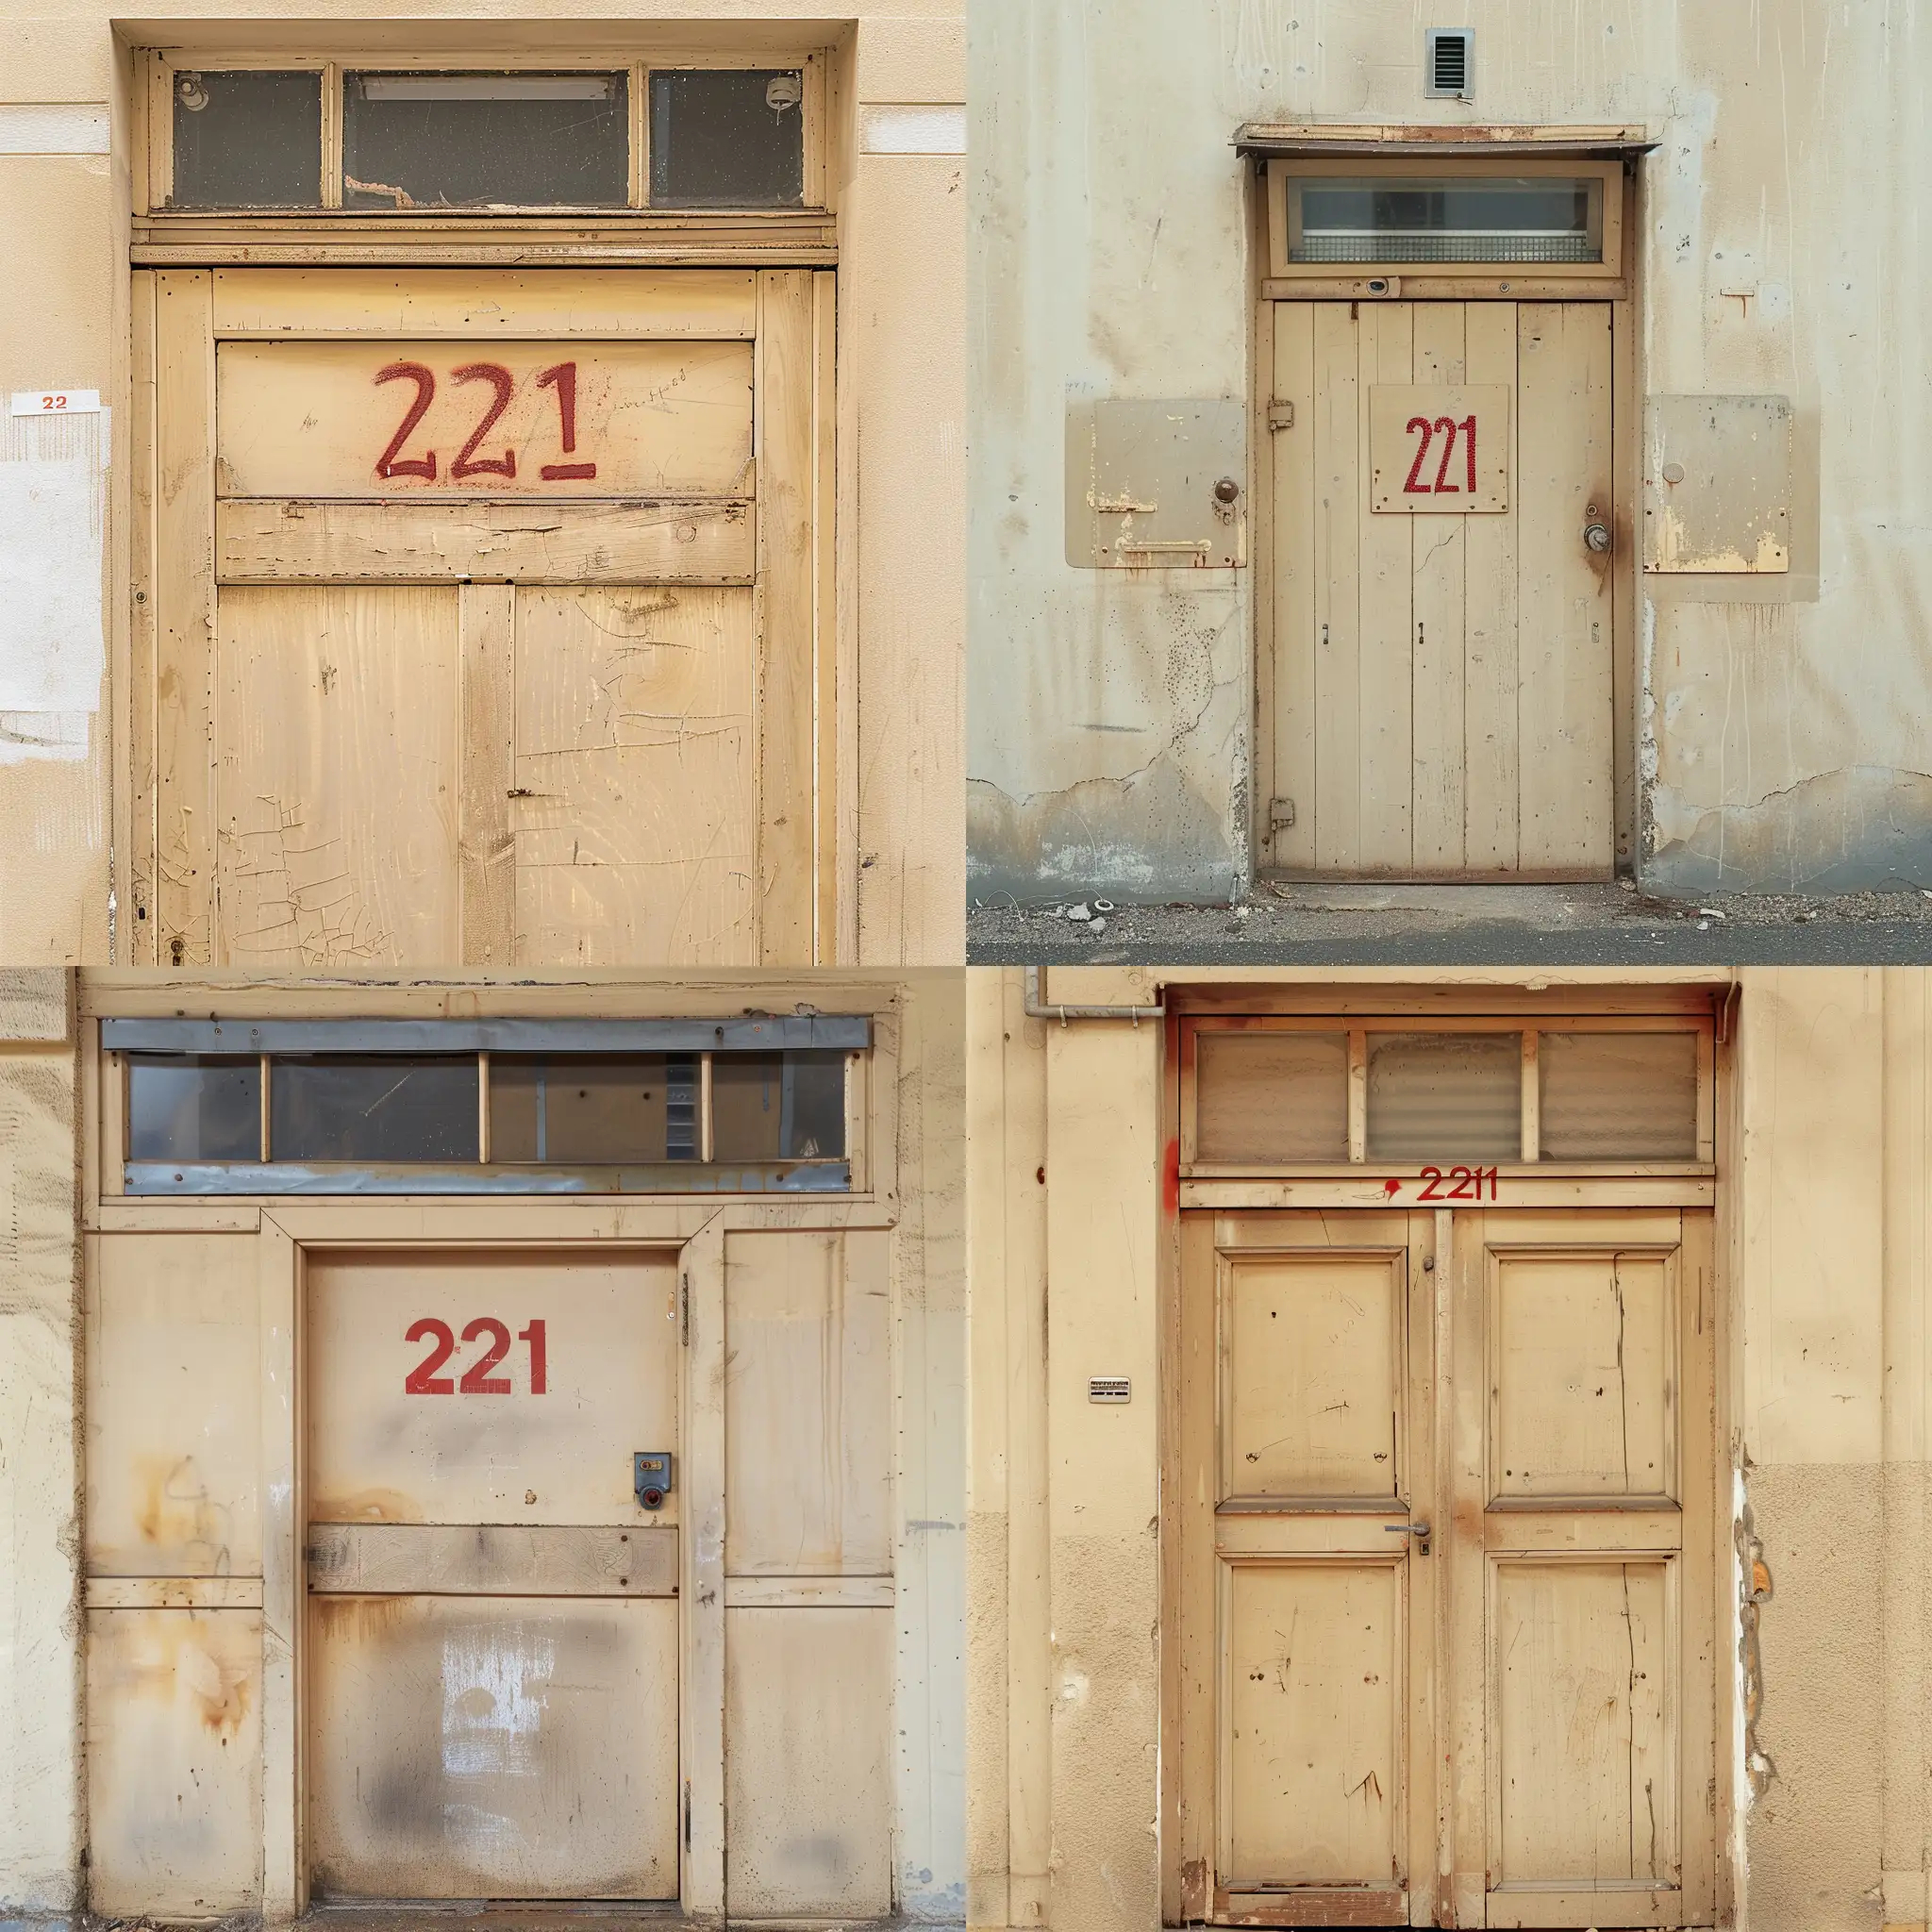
(1451, 55)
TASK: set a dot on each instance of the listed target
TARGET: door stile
(1465, 1753)
(1197, 1632)
(1432, 1417)
(701, 1569)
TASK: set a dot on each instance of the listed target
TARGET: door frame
(1492, 150)
(1190, 1188)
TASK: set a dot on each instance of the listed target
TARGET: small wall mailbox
(1716, 485)
(1157, 486)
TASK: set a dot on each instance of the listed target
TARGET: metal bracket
(1280, 416)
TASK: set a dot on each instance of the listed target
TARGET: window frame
(155, 156)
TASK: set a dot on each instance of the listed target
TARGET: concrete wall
(1823, 1341)
(1780, 725)
(64, 319)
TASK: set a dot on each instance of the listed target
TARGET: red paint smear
(1170, 1177)
(1391, 1187)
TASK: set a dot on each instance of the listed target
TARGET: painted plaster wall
(1780, 728)
(901, 427)
(1825, 1348)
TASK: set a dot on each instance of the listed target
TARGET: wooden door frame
(1621, 292)
(1186, 1195)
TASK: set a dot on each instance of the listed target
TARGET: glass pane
(1447, 1097)
(778, 1107)
(1618, 1096)
(727, 138)
(1533, 219)
(575, 1111)
(193, 1107)
(245, 139)
(1271, 1096)
(484, 140)
(373, 1107)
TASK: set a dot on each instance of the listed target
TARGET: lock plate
(650, 1476)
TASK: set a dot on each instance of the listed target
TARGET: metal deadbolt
(1227, 490)
(1596, 536)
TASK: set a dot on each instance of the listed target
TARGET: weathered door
(491, 617)
(491, 1677)
(1442, 626)
(1446, 1569)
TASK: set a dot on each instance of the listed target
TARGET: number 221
(477, 1380)
(1442, 485)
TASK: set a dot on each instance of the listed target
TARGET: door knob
(1596, 536)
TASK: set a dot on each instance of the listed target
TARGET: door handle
(1420, 1531)
(1596, 536)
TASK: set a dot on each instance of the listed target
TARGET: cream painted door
(1442, 691)
(492, 1673)
(1445, 1569)
(483, 616)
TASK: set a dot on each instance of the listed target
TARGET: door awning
(1273, 140)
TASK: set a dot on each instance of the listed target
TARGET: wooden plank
(483, 303)
(338, 776)
(701, 1579)
(1461, 1749)
(831, 940)
(1196, 1639)
(1386, 336)
(137, 941)
(1313, 1905)
(1438, 755)
(184, 593)
(1698, 1629)
(1292, 708)
(1537, 1188)
(808, 1593)
(1564, 596)
(786, 619)
(302, 539)
(174, 1592)
(486, 676)
(1530, 1907)
(284, 1867)
(484, 1560)
(1626, 417)
(635, 777)
(1335, 556)
(1489, 618)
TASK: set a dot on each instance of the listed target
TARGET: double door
(1445, 1569)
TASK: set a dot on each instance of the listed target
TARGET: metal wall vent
(1451, 61)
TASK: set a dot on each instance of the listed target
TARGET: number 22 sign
(1439, 448)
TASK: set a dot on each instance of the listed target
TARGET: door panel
(1441, 679)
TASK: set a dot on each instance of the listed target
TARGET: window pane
(778, 1107)
(1271, 1096)
(633, 1108)
(1618, 1096)
(193, 1107)
(244, 139)
(1535, 219)
(1447, 1097)
(727, 138)
(481, 139)
(373, 1107)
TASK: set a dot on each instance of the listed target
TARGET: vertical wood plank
(1625, 421)
(1563, 470)
(1489, 647)
(185, 616)
(1293, 698)
(1439, 684)
(1196, 1638)
(831, 942)
(701, 1561)
(1387, 636)
(1462, 1384)
(1338, 491)
(1697, 1675)
(283, 1868)
(139, 937)
(486, 750)
(787, 380)
(1420, 1480)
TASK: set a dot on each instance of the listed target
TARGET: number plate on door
(1439, 448)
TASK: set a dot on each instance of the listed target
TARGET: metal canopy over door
(491, 1674)
(1444, 592)
(491, 617)
(1446, 1568)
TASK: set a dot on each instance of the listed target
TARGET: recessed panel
(1584, 1375)
(1585, 1745)
(1313, 1717)
(1313, 1376)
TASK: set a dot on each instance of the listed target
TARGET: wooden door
(489, 617)
(1445, 1569)
(1443, 628)
(492, 1668)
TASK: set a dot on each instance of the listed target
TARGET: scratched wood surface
(1442, 684)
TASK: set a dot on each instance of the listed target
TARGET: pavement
(1396, 924)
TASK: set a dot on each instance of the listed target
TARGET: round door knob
(1227, 490)
(1596, 536)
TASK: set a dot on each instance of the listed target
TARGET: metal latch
(1280, 814)
(650, 1471)
(1420, 1531)
(1282, 415)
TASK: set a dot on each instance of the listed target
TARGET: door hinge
(1280, 814)
(1282, 415)
(684, 1308)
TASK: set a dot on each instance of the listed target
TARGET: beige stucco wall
(1779, 729)
(64, 319)
(1825, 1370)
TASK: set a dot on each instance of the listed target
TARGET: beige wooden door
(491, 1677)
(483, 616)
(1445, 1569)
(1440, 704)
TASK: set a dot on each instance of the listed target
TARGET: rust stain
(367, 1506)
(354, 1621)
(174, 1511)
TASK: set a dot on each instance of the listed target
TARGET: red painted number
(502, 382)
(478, 1377)
(391, 462)
(1469, 446)
(563, 380)
(1459, 1184)
(1448, 429)
(1412, 488)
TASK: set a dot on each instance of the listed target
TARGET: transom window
(753, 1104)
(448, 140)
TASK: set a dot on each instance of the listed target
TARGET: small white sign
(56, 402)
